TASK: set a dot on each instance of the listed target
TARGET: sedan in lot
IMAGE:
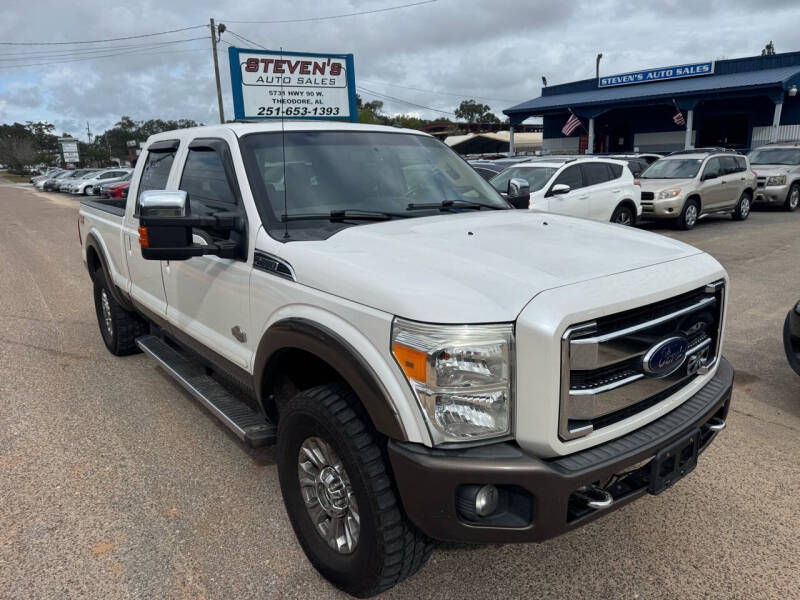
(68, 185)
(89, 183)
(104, 190)
(487, 168)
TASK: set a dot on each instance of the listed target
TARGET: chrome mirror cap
(161, 203)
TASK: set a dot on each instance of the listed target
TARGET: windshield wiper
(448, 204)
(338, 216)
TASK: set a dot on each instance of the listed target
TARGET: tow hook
(595, 497)
(715, 424)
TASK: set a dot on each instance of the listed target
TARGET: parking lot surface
(114, 483)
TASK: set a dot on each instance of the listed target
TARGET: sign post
(269, 84)
(69, 150)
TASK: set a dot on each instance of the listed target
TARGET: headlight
(776, 180)
(664, 194)
(460, 375)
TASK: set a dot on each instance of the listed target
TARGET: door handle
(615, 191)
(583, 197)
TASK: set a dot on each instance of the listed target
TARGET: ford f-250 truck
(430, 363)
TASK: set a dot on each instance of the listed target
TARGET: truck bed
(115, 206)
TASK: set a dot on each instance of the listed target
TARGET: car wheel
(118, 327)
(622, 216)
(793, 197)
(89, 191)
(337, 488)
(689, 214)
(742, 210)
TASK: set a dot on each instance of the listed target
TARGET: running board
(248, 425)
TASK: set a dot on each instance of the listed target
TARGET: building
(740, 103)
(495, 143)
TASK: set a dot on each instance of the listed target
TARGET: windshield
(775, 156)
(89, 175)
(673, 168)
(535, 176)
(326, 171)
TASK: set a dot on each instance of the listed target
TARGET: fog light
(486, 500)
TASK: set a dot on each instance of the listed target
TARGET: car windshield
(535, 176)
(775, 156)
(89, 175)
(673, 168)
(307, 175)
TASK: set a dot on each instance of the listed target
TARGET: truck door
(146, 285)
(208, 296)
(576, 201)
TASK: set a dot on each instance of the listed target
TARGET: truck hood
(471, 267)
(764, 170)
(656, 185)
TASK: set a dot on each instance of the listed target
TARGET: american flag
(571, 125)
(678, 118)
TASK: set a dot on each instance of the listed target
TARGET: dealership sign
(69, 150)
(665, 73)
(270, 84)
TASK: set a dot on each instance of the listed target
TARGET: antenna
(282, 108)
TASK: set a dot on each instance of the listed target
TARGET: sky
(430, 55)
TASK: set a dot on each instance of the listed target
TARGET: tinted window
(205, 181)
(595, 173)
(713, 168)
(741, 161)
(155, 173)
(570, 176)
(729, 165)
(536, 177)
(616, 170)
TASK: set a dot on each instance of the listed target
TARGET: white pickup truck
(430, 363)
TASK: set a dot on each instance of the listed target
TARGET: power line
(354, 14)
(130, 37)
(77, 53)
(244, 39)
(400, 100)
(454, 94)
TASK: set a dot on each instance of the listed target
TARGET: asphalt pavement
(114, 483)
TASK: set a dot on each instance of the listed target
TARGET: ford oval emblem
(665, 357)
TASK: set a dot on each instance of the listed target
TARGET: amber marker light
(412, 361)
(144, 241)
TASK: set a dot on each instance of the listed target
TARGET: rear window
(616, 170)
(595, 173)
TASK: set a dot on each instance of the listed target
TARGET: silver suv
(688, 184)
(777, 168)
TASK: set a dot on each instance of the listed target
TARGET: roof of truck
(241, 128)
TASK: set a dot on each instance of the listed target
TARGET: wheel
(118, 327)
(689, 214)
(792, 198)
(89, 191)
(339, 495)
(622, 216)
(742, 210)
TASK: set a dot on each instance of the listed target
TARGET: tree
(475, 112)
(769, 49)
(26, 145)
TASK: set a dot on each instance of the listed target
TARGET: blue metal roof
(666, 90)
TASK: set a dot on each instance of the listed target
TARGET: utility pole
(88, 132)
(597, 65)
(216, 69)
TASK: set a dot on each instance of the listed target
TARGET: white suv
(593, 188)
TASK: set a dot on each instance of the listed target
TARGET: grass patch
(15, 178)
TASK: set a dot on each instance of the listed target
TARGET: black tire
(389, 547)
(623, 216)
(89, 190)
(687, 220)
(792, 198)
(743, 207)
(118, 327)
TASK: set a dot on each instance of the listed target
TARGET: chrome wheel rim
(90, 191)
(106, 307)
(691, 215)
(744, 208)
(794, 198)
(623, 218)
(328, 495)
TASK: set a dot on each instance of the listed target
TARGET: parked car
(53, 183)
(49, 172)
(593, 188)
(791, 337)
(517, 375)
(103, 191)
(89, 183)
(636, 164)
(486, 168)
(686, 185)
(67, 185)
(119, 190)
(777, 168)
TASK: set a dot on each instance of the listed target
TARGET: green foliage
(114, 142)
(28, 144)
(475, 112)
(769, 49)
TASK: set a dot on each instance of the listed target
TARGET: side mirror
(519, 192)
(165, 228)
(559, 189)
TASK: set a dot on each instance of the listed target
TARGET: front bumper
(772, 194)
(543, 494)
(669, 208)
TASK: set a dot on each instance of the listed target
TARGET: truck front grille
(603, 376)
